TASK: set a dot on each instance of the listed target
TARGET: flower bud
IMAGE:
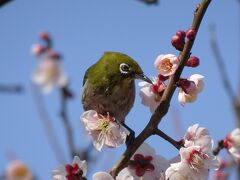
(54, 55)
(181, 34)
(193, 61)
(162, 78)
(44, 36)
(187, 86)
(191, 34)
(37, 49)
(178, 42)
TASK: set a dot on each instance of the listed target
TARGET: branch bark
(166, 98)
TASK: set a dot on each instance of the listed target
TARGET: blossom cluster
(48, 72)
(194, 162)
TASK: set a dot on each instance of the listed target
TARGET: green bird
(109, 87)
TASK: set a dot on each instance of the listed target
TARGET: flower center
(166, 65)
(74, 172)
(20, 171)
(196, 159)
(227, 142)
(141, 164)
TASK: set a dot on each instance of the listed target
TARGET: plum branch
(163, 107)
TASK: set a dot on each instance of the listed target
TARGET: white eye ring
(124, 68)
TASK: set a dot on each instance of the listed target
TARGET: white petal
(102, 176)
(82, 164)
(125, 174)
(62, 80)
(59, 173)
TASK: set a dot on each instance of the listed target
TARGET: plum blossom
(144, 164)
(104, 130)
(194, 164)
(17, 170)
(232, 144)
(196, 135)
(48, 74)
(151, 93)
(76, 170)
(189, 88)
(196, 156)
(166, 64)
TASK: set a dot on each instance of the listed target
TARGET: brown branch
(176, 144)
(66, 123)
(166, 98)
(45, 118)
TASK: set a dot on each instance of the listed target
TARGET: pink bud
(37, 49)
(44, 36)
(178, 42)
(54, 55)
(181, 34)
(193, 61)
(191, 34)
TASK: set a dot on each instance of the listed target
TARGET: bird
(109, 86)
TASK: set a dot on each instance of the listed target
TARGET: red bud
(44, 36)
(178, 42)
(191, 34)
(181, 34)
(193, 61)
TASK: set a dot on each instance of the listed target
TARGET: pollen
(196, 159)
(166, 65)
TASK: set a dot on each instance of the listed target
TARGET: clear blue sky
(82, 31)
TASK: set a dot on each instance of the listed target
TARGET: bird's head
(122, 66)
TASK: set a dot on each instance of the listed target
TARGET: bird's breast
(114, 99)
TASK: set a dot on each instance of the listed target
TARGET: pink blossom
(151, 93)
(166, 64)
(48, 74)
(232, 144)
(104, 130)
(17, 170)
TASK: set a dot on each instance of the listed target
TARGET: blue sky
(82, 31)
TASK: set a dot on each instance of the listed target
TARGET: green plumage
(108, 88)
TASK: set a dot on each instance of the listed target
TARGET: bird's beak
(143, 77)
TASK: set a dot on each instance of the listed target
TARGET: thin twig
(220, 63)
(220, 146)
(11, 88)
(162, 109)
(45, 119)
(176, 144)
(67, 126)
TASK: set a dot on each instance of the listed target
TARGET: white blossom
(77, 168)
(48, 74)
(189, 94)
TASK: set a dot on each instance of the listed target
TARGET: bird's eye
(124, 68)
